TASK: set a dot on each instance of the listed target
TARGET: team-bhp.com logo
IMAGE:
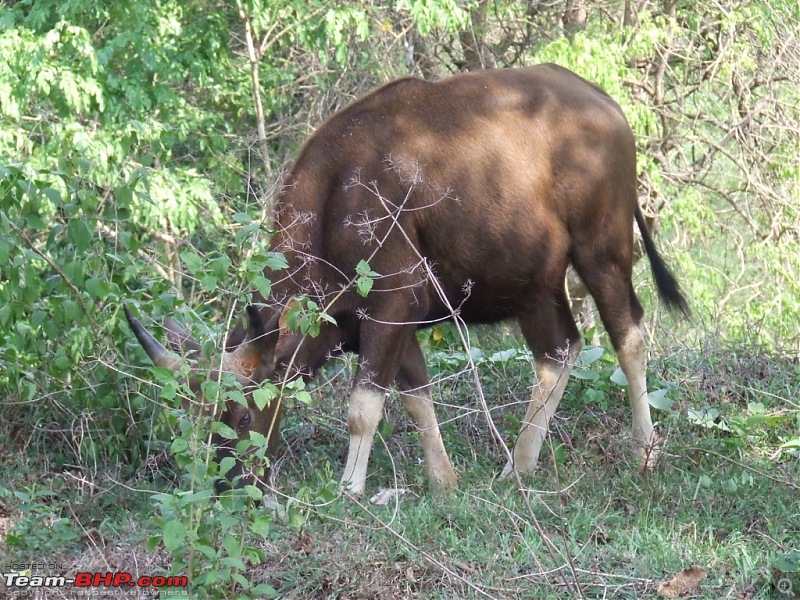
(22, 581)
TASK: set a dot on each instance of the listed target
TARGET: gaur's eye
(245, 420)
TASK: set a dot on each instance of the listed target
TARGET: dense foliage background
(141, 144)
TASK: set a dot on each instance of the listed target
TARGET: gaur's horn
(180, 340)
(160, 356)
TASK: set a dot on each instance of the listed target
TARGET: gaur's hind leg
(612, 290)
(414, 386)
(551, 334)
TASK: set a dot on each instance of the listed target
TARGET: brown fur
(499, 179)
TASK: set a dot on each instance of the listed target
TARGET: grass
(725, 497)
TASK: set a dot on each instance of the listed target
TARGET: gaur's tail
(668, 288)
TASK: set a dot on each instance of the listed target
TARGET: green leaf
(788, 562)
(210, 389)
(232, 545)
(97, 288)
(209, 283)
(223, 430)
(366, 277)
(207, 551)
(585, 374)
(258, 439)
(262, 397)
(179, 445)
(53, 195)
(264, 590)
(169, 390)
(262, 285)
(254, 492)
(303, 396)
(503, 356)
(364, 286)
(234, 563)
(771, 420)
(220, 265)
(226, 464)
(261, 525)
(244, 444)
(593, 396)
(237, 397)
(292, 316)
(560, 452)
(174, 534)
(296, 518)
(5, 249)
(704, 417)
(276, 261)
(589, 355)
(79, 233)
(658, 399)
(309, 324)
(246, 231)
(792, 444)
(124, 195)
(385, 429)
(30, 391)
(618, 377)
(199, 496)
(192, 261)
(363, 269)
(37, 317)
(327, 318)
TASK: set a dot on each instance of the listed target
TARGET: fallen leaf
(464, 566)
(747, 594)
(683, 584)
(386, 495)
(410, 575)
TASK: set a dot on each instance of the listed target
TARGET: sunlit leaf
(585, 374)
(658, 399)
(618, 377)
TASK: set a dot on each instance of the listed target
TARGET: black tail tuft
(668, 288)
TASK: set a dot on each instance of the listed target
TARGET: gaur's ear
(255, 325)
(257, 342)
(250, 329)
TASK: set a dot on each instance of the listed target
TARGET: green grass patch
(724, 498)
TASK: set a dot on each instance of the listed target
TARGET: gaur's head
(257, 353)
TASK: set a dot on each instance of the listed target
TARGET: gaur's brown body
(471, 194)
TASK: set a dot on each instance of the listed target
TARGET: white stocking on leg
(363, 416)
(633, 360)
(440, 471)
(551, 379)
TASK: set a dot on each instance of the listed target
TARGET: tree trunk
(419, 56)
(477, 53)
(254, 56)
(574, 17)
